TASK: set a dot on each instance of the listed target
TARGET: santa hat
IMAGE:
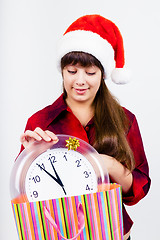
(101, 38)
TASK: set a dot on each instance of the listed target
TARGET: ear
(104, 76)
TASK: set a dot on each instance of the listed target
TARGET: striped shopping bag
(96, 216)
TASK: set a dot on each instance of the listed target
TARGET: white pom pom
(121, 75)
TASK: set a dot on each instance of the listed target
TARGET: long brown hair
(110, 120)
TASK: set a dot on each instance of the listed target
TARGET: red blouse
(59, 119)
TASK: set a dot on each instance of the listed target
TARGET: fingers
(51, 135)
(46, 135)
(42, 134)
(37, 135)
(27, 138)
(32, 134)
(28, 135)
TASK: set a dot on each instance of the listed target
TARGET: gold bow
(72, 143)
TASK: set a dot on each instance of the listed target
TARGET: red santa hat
(100, 37)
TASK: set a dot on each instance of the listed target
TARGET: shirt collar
(57, 107)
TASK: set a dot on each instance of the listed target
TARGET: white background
(29, 81)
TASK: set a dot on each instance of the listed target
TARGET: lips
(81, 91)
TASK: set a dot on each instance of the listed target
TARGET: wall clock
(45, 171)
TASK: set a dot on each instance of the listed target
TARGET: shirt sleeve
(141, 180)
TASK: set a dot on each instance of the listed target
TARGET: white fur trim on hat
(89, 42)
(121, 75)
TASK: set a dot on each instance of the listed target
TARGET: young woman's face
(81, 83)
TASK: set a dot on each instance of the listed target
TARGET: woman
(88, 53)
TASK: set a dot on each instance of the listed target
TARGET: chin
(80, 98)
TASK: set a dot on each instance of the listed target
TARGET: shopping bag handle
(81, 221)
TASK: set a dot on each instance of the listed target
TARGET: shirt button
(87, 128)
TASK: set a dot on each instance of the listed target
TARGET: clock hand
(58, 178)
(48, 173)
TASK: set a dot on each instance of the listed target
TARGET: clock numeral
(87, 174)
(88, 188)
(42, 167)
(52, 158)
(65, 157)
(35, 194)
(78, 163)
(36, 179)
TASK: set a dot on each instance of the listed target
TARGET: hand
(28, 137)
(117, 172)
(106, 162)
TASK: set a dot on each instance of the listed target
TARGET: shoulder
(39, 118)
(129, 114)
(42, 113)
(43, 117)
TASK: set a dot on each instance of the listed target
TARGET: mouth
(81, 91)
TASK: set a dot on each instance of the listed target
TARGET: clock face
(58, 173)
(45, 170)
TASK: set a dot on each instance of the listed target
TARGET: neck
(83, 111)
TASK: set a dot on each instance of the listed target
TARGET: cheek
(96, 84)
(67, 84)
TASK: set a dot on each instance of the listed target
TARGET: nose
(80, 79)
